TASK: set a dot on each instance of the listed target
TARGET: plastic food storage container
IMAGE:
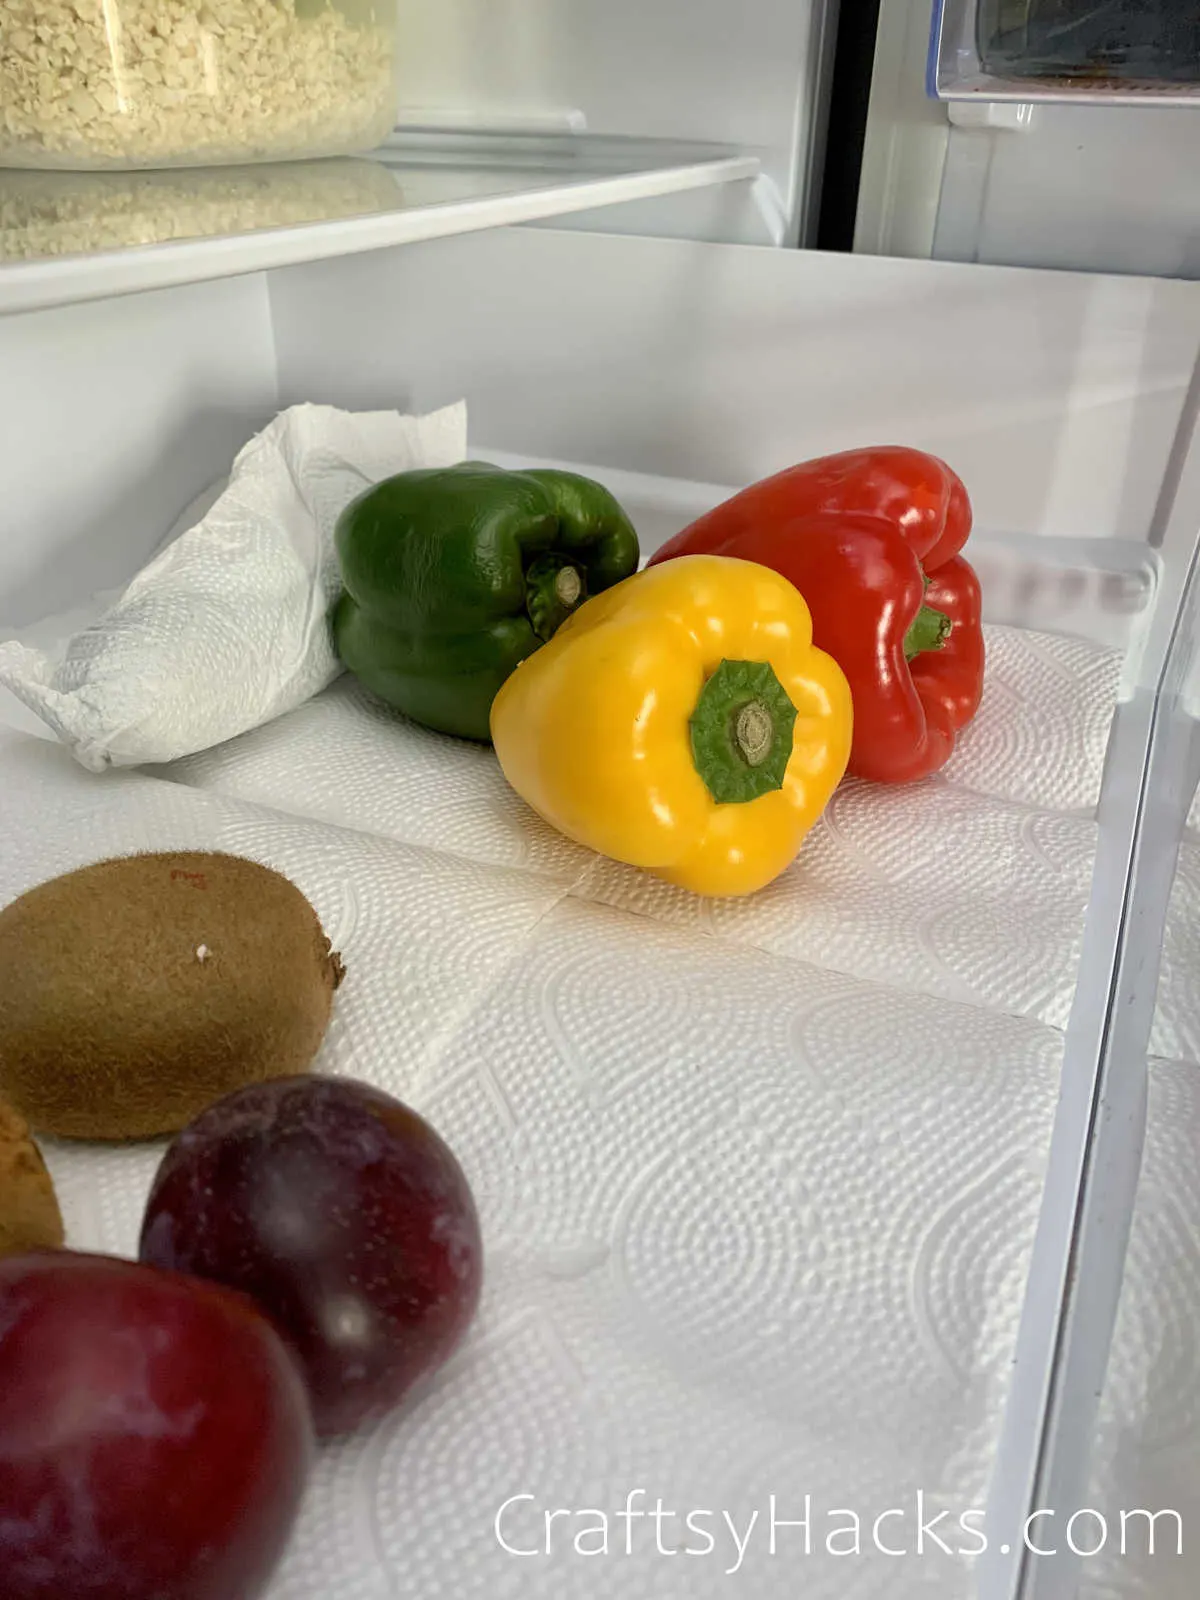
(52, 214)
(88, 84)
(1150, 39)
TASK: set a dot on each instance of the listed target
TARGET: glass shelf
(79, 236)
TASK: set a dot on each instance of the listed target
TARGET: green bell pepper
(452, 576)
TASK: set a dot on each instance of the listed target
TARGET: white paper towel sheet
(1042, 730)
(935, 889)
(757, 1223)
(971, 887)
(1038, 740)
(347, 759)
(751, 1228)
(1148, 1439)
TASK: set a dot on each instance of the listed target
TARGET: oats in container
(93, 84)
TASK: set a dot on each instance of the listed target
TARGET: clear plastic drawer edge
(1087, 52)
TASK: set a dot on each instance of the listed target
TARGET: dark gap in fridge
(849, 101)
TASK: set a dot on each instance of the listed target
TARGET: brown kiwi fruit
(29, 1214)
(135, 992)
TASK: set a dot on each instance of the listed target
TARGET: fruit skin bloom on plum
(155, 1437)
(347, 1219)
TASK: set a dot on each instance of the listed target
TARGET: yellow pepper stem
(742, 732)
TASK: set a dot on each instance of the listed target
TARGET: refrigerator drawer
(808, 1203)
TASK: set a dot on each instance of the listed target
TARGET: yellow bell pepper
(682, 721)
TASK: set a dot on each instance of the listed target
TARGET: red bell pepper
(871, 539)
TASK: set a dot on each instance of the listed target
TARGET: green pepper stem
(929, 631)
(554, 587)
(568, 586)
(741, 731)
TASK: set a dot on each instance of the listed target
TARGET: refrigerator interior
(754, 78)
(1087, 187)
(794, 1196)
(684, 117)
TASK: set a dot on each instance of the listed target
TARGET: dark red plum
(155, 1436)
(348, 1220)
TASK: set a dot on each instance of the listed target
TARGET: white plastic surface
(1057, 398)
(1148, 1440)
(904, 143)
(113, 418)
(1148, 1430)
(1095, 189)
(1147, 1454)
(753, 77)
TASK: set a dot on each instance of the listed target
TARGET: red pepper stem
(929, 631)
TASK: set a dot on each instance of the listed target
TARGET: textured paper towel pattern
(422, 935)
(407, 1511)
(1042, 729)
(955, 888)
(1039, 739)
(755, 1225)
(347, 759)
(1148, 1439)
(734, 1207)
(933, 888)
(658, 1118)
(752, 1227)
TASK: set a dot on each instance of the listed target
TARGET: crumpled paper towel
(752, 1228)
(957, 887)
(226, 627)
(48, 635)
